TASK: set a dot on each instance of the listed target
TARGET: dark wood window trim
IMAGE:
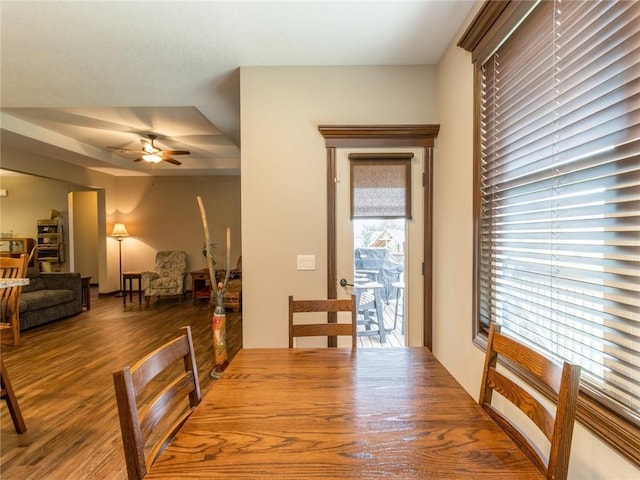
(493, 21)
(381, 136)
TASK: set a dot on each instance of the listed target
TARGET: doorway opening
(379, 265)
(422, 137)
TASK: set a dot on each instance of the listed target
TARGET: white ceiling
(78, 76)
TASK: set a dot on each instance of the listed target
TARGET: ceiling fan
(151, 153)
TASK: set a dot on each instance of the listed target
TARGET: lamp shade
(119, 231)
(152, 158)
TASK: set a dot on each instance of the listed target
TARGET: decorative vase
(219, 333)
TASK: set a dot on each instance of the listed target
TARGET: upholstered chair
(233, 295)
(169, 277)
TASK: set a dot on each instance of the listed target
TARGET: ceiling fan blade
(171, 160)
(148, 148)
(176, 152)
(123, 150)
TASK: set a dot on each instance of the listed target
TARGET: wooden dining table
(334, 413)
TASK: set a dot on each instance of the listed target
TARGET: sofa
(49, 297)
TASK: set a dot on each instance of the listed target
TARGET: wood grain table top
(338, 413)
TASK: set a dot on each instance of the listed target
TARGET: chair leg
(15, 326)
(10, 332)
(9, 395)
(6, 335)
(380, 316)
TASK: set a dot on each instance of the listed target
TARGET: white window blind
(559, 226)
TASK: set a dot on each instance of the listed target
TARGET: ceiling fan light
(147, 147)
(152, 158)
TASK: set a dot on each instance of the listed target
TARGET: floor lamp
(119, 232)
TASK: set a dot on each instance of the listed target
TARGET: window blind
(380, 185)
(559, 226)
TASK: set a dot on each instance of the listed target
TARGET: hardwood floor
(62, 376)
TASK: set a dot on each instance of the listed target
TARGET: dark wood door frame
(382, 136)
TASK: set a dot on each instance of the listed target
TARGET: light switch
(306, 262)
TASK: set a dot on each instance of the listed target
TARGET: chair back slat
(169, 398)
(11, 267)
(532, 361)
(562, 381)
(145, 370)
(151, 412)
(538, 413)
(326, 329)
(331, 305)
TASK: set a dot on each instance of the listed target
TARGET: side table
(128, 287)
(86, 292)
(200, 284)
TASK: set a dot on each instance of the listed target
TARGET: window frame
(493, 22)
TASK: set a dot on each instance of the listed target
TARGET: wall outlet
(306, 262)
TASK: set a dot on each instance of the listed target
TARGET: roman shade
(380, 185)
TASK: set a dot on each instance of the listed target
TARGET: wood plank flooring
(62, 376)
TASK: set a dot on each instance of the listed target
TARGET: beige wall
(591, 459)
(160, 213)
(31, 198)
(71, 177)
(453, 221)
(284, 172)
(47, 167)
(83, 237)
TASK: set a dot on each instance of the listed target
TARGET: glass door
(378, 260)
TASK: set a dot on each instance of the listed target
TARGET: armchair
(233, 296)
(168, 279)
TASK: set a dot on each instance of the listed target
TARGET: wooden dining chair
(563, 380)
(11, 267)
(325, 329)
(150, 417)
